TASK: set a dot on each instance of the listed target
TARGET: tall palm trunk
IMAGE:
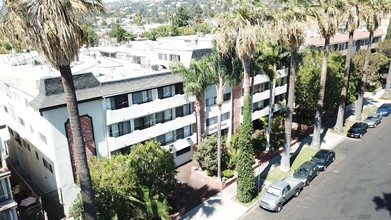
(197, 106)
(285, 160)
(345, 85)
(246, 75)
(219, 102)
(388, 83)
(360, 100)
(322, 88)
(83, 171)
(271, 109)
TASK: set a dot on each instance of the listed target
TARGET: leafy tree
(377, 60)
(161, 31)
(156, 168)
(327, 14)
(119, 33)
(182, 17)
(138, 18)
(135, 186)
(206, 154)
(89, 34)
(245, 160)
(52, 28)
(5, 47)
(388, 35)
(198, 12)
(307, 84)
(385, 48)
(112, 180)
(352, 17)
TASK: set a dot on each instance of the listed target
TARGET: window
(225, 116)
(161, 139)
(142, 97)
(183, 151)
(26, 102)
(187, 131)
(179, 89)
(32, 129)
(164, 92)
(227, 96)
(159, 117)
(211, 121)
(119, 101)
(179, 134)
(257, 88)
(179, 111)
(169, 137)
(211, 101)
(162, 56)
(258, 106)
(5, 108)
(42, 137)
(167, 115)
(144, 122)
(36, 155)
(47, 165)
(21, 121)
(187, 109)
(174, 57)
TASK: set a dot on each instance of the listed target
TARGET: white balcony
(138, 136)
(140, 110)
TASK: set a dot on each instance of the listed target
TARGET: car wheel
(279, 207)
(375, 125)
(305, 184)
(360, 135)
(333, 159)
(317, 173)
(297, 192)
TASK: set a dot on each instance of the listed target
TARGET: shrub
(206, 154)
(228, 173)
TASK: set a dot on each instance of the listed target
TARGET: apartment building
(7, 202)
(340, 41)
(127, 95)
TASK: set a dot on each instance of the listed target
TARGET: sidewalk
(223, 204)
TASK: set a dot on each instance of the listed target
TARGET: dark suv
(384, 109)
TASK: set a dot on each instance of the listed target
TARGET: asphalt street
(356, 186)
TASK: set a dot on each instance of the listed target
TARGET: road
(356, 186)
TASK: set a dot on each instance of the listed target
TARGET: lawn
(296, 160)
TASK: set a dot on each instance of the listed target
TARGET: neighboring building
(7, 202)
(340, 41)
(127, 95)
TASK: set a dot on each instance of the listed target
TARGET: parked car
(373, 120)
(323, 158)
(306, 172)
(279, 193)
(384, 109)
(357, 130)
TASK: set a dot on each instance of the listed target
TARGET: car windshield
(273, 191)
(371, 117)
(302, 171)
(320, 157)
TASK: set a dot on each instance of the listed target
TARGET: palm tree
(290, 20)
(385, 48)
(53, 29)
(272, 54)
(352, 22)
(327, 16)
(372, 12)
(194, 81)
(220, 74)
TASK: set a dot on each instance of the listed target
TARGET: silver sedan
(373, 119)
